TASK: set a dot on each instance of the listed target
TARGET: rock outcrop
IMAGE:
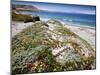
(24, 18)
(34, 19)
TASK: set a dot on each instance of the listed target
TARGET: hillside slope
(50, 46)
(23, 7)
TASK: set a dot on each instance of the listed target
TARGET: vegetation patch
(34, 47)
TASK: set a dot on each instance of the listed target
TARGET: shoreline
(79, 25)
(83, 26)
(71, 24)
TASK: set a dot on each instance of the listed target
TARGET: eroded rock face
(49, 46)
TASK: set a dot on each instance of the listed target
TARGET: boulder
(34, 19)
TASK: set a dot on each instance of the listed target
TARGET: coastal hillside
(50, 47)
(19, 7)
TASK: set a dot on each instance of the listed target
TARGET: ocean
(77, 19)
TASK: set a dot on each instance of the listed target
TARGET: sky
(65, 8)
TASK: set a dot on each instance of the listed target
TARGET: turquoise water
(67, 18)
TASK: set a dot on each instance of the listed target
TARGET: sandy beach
(87, 34)
(18, 26)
